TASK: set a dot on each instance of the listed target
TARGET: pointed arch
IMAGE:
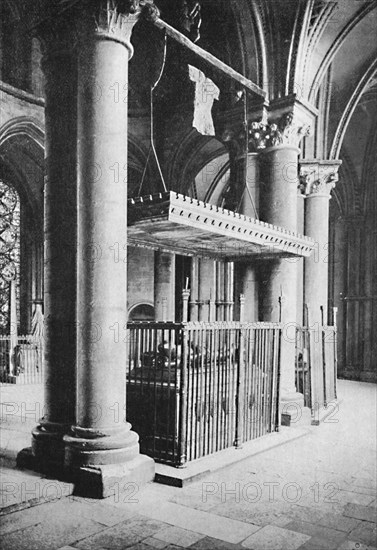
(350, 108)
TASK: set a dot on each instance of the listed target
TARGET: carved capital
(287, 130)
(318, 177)
(107, 19)
(115, 19)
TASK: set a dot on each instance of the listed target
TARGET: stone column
(194, 288)
(207, 286)
(60, 229)
(318, 178)
(278, 144)
(250, 207)
(102, 449)
(300, 261)
(243, 196)
(164, 286)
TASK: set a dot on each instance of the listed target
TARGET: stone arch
(362, 85)
(194, 152)
(336, 45)
(22, 167)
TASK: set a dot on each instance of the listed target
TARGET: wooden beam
(209, 58)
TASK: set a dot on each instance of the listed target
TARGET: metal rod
(182, 437)
(323, 358)
(335, 311)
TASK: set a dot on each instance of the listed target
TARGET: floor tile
(338, 522)
(138, 546)
(345, 497)
(155, 543)
(204, 523)
(364, 513)
(275, 538)
(209, 543)
(178, 536)
(316, 543)
(110, 539)
(317, 531)
(352, 545)
(365, 532)
(50, 534)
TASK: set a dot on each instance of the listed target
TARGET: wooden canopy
(183, 225)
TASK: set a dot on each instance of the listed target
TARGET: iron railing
(316, 365)
(21, 363)
(197, 388)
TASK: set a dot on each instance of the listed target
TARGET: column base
(98, 481)
(86, 448)
(291, 407)
(104, 466)
(113, 479)
(46, 454)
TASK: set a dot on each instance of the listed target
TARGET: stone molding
(318, 177)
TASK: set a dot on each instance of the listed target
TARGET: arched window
(9, 248)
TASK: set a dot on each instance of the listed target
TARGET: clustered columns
(317, 179)
(277, 144)
(100, 448)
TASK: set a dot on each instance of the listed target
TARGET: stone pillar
(102, 449)
(278, 146)
(207, 286)
(317, 180)
(300, 261)
(164, 286)
(60, 229)
(250, 207)
(278, 300)
(194, 287)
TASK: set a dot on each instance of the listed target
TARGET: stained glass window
(9, 248)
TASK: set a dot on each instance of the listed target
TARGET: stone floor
(315, 492)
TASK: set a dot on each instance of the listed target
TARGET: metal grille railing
(261, 379)
(23, 363)
(197, 388)
(316, 365)
(303, 365)
(329, 363)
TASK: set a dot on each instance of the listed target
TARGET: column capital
(106, 19)
(115, 19)
(286, 130)
(318, 177)
(285, 122)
